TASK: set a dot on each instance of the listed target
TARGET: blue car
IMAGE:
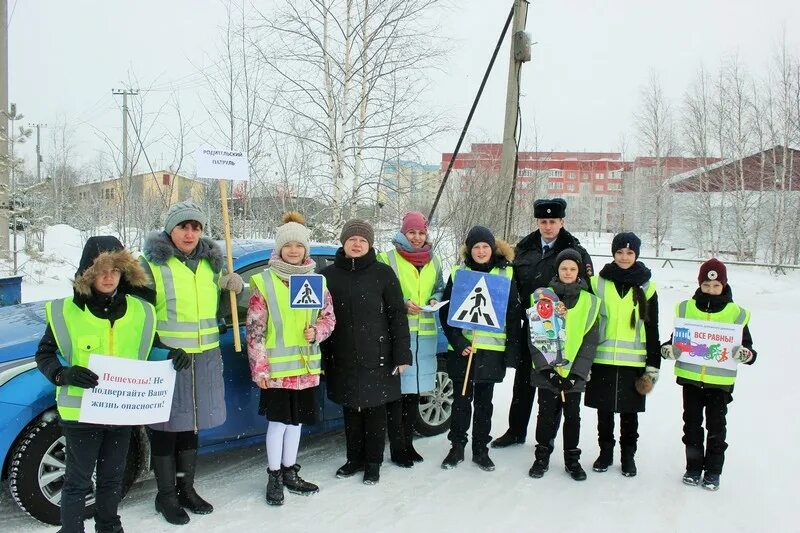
(31, 444)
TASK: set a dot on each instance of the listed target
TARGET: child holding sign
(484, 254)
(102, 318)
(707, 387)
(560, 384)
(283, 348)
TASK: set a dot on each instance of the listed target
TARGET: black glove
(568, 382)
(180, 359)
(78, 376)
(551, 376)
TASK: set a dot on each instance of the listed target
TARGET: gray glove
(652, 373)
(231, 282)
(669, 351)
(742, 354)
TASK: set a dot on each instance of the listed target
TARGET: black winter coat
(371, 336)
(487, 366)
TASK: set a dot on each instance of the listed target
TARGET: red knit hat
(414, 220)
(713, 270)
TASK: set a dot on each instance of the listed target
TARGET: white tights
(283, 441)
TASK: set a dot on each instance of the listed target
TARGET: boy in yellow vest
(560, 385)
(706, 387)
(101, 317)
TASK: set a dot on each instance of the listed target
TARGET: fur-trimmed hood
(132, 273)
(158, 248)
(502, 250)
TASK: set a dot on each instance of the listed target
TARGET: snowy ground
(757, 486)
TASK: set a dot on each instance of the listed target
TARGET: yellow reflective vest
(485, 340)
(730, 314)
(579, 321)
(186, 305)
(79, 333)
(620, 344)
(417, 285)
(288, 352)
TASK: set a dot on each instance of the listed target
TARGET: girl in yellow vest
(107, 320)
(628, 352)
(283, 348)
(420, 275)
(708, 388)
(560, 385)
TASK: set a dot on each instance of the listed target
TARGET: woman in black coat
(368, 349)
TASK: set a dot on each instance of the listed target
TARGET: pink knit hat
(414, 220)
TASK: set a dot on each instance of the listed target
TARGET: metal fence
(670, 260)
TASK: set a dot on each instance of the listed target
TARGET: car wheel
(38, 464)
(435, 409)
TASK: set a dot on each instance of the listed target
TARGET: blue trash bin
(10, 291)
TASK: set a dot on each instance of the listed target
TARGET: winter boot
(692, 477)
(711, 481)
(628, 462)
(349, 469)
(167, 496)
(402, 459)
(295, 484)
(113, 529)
(541, 463)
(454, 456)
(572, 464)
(481, 458)
(372, 473)
(187, 496)
(605, 458)
(414, 454)
(508, 439)
(275, 487)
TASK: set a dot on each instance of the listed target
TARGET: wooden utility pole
(123, 189)
(520, 53)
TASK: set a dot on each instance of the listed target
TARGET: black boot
(572, 464)
(414, 454)
(187, 496)
(167, 496)
(628, 462)
(541, 463)
(606, 457)
(481, 458)
(349, 469)
(372, 473)
(275, 487)
(454, 456)
(295, 484)
(508, 439)
(402, 459)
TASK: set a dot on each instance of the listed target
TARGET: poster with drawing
(707, 343)
(547, 325)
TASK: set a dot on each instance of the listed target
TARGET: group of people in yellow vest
(376, 339)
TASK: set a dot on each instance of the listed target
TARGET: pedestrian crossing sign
(305, 291)
(479, 301)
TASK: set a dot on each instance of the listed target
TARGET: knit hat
(572, 255)
(360, 228)
(626, 240)
(293, 229)
(181, 212)
(479, 234)
(550, 208)
(713, 270)
(414, 220)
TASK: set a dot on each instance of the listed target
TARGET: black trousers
(400, 417)
(166, 443)
(519, 413)
(550, 408)
(481, 395)
(365, 433)
(628, 429)
(715, 402)
(89, 445)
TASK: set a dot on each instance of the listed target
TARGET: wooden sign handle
(469, 365)
(226, 224)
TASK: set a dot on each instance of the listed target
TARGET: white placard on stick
(129, 392)
(707, 343)
(221, 164)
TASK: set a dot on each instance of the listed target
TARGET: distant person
(704, 388)
(628, 353)
(420, 275)
(534, 267)
(494, 352)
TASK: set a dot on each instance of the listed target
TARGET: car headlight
(12, 369)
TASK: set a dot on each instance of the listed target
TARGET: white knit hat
(293, 229)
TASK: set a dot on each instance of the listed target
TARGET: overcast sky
(582, 86)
